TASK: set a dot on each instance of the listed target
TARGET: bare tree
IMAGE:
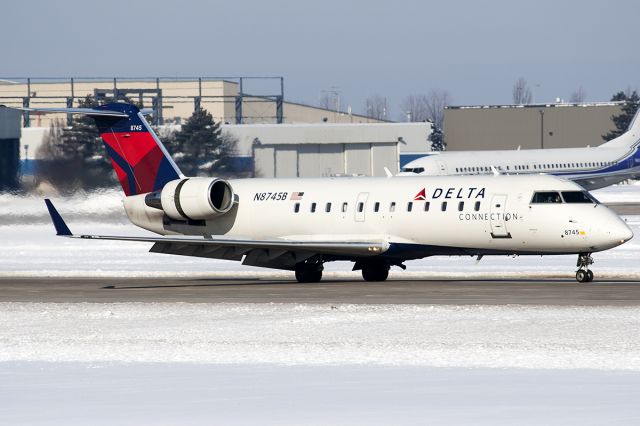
(325, 101)
(330, 99)
(521, 92)
(429, 107)
(377, 107)
(436, 101)
(414, 107)
(578, 96)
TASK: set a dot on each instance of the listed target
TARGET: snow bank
(604, 338)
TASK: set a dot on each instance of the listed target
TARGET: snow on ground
(290, 364)
(625, 193)
(542, 337)
(179, 394)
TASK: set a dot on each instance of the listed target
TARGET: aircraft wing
(597, 181)
(274, 253)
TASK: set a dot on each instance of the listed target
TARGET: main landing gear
(375, 272)
(309, 272)
(584, 274)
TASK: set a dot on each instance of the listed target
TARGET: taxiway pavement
(438, 292)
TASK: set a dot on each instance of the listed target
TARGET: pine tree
(199, 148)
(622, 121)
(437, 139)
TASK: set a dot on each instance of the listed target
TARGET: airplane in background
(591, 167)
(300, 224)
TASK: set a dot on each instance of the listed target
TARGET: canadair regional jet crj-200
(591, 167)
(299, 224)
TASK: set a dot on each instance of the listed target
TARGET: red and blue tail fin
(138, 157)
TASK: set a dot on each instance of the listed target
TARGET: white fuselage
(482, 215)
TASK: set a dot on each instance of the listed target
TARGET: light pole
(541, 128)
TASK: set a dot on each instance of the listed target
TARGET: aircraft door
(496, 217)
(442, 168)
(361, 206)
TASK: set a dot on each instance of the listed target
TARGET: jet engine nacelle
(193, 198)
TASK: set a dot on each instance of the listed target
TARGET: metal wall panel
(9, 163)
(308, 161)
(9, 123)
(358, 158)
(384, 155)
(286, 165)
(316, 160)
(530, 127)
(331, 159)
(264, 161)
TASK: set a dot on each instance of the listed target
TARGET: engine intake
(194, 198)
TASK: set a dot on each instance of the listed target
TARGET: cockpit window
(546, 197)
(572, 197)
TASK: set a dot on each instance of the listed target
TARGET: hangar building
(314, 150)
(528, 126)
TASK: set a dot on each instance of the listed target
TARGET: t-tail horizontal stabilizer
(61, 228)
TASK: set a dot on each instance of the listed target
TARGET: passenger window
(575, 197)
(360, 207)
(296, 207)
(477, 206)
(546, 197)
(392, 206)
(409, 206)
(461, 206)
(344, 207)
(443, 207)
(313, 207)
(328, 208)
(376, 207)
(426, 206)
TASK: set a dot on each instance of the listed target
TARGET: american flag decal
(296, 195)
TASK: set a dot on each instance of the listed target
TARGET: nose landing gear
(584, 274)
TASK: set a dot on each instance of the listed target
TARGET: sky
(475, 50)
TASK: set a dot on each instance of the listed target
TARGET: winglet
(61, 228)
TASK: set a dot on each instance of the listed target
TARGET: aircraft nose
(618, 232)
(621, 232)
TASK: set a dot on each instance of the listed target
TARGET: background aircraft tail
(137, 155)
(629, 139)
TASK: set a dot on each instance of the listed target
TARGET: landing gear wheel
(375, 273)
(308, 275)
(584, 275)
